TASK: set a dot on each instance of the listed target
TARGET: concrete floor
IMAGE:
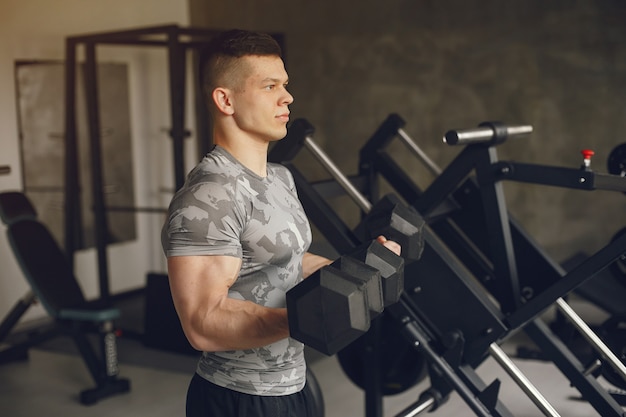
(47, 384)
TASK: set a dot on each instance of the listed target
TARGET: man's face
(261, 101)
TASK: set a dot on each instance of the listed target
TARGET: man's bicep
(198, 281)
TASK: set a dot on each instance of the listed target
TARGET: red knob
(587, 153)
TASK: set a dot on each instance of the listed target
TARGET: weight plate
(402, 367)
(616, 163)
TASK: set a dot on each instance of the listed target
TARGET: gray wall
(557, 65)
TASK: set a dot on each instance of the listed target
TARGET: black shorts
(205, 399)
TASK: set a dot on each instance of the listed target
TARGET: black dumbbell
(396, 221)
(388, 264)
(334, 306)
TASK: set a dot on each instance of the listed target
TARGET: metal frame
(508, 263)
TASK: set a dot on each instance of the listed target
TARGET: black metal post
(506, 285)
(204, 135)
(72, 186)
(176, 63)
(101, 229)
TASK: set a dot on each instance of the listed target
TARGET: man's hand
(389, 244)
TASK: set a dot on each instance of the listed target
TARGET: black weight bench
(53, 283)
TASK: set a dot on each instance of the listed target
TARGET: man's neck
(252, 155)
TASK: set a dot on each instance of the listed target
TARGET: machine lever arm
(487, 132)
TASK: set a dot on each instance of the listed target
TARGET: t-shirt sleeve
(204, 220)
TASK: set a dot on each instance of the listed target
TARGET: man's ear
(222, 99)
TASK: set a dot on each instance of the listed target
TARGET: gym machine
(616, 165)
(470, 215)
(608, 292)
(453, 344)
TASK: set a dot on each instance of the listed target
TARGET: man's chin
(280, 136)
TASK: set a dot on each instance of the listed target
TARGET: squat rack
(178, 41)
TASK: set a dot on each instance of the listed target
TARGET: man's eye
(270, 87)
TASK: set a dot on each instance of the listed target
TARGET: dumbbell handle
(323, 158)
(489, 132)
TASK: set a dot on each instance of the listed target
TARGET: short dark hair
(222, 52)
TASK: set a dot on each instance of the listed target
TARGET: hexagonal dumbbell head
(390, 265)
(328, 310)
(396, 221)
(368, 278)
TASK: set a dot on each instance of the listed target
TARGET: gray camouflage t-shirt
(226, 209)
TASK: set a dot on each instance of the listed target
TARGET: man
(236, 240)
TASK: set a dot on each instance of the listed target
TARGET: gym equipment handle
(419, 153)
(605, 352)
(423, 404)
(363, 203)
(487, 132)
(533, 393)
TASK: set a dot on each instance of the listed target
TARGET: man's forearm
(236, 325)
(312, 262)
